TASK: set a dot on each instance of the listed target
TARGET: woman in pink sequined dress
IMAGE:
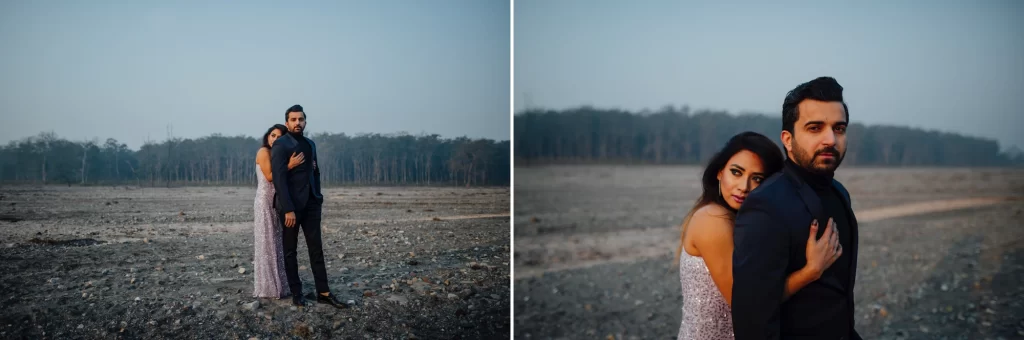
(706, 244)
(269, 277)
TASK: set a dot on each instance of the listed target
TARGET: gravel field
(941, 252)
(129, 262)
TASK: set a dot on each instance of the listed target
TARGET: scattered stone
(401, 300)
(252, 305)
(241, 270)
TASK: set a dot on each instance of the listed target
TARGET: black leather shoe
(298, 300)
(331, 300)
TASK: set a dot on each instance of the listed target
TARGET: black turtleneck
(835, 207)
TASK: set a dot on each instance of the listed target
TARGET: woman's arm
(712, 234)
(710, 231)
(821, 253)
(263, 159)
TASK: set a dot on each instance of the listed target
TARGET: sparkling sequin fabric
(705, 313)
(268, 274)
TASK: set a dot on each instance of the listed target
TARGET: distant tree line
(678, 136)
(369, 159)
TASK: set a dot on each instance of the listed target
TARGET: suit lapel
(854, 238)
(312, 146)
(813, 204)
(313, 170)
(811, 200)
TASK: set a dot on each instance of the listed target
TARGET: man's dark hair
(294, 108)
(825, 89)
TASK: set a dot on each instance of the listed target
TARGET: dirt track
(169, 263)
(573, 251)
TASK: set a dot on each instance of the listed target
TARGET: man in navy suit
(299, 204)
(772, 226)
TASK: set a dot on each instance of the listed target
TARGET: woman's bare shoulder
(711, 216)
(262, 153)
(714, 211)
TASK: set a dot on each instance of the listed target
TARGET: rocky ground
(587, 265)
(127, 262)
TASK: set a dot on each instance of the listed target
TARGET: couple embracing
(288, 198)
(769, 251)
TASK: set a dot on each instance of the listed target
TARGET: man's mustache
(831, 150)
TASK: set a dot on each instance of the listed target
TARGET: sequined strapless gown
(705, 313)
(268, 272)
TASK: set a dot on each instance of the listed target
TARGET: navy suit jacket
(293, 186)
(770, 242)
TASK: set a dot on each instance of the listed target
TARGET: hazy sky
(127, 69)
(947, 65)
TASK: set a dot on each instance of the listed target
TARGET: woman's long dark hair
(282, 128)
(764, 148)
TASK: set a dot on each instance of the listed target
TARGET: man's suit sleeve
(279, 158)
(760, 257)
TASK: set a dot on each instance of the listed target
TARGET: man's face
(296, 122)
(818, 141)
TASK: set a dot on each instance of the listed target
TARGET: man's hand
(289, 219)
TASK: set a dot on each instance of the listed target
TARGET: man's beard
(825, 166)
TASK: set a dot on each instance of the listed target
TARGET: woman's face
(741, 174)
(273, 136)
